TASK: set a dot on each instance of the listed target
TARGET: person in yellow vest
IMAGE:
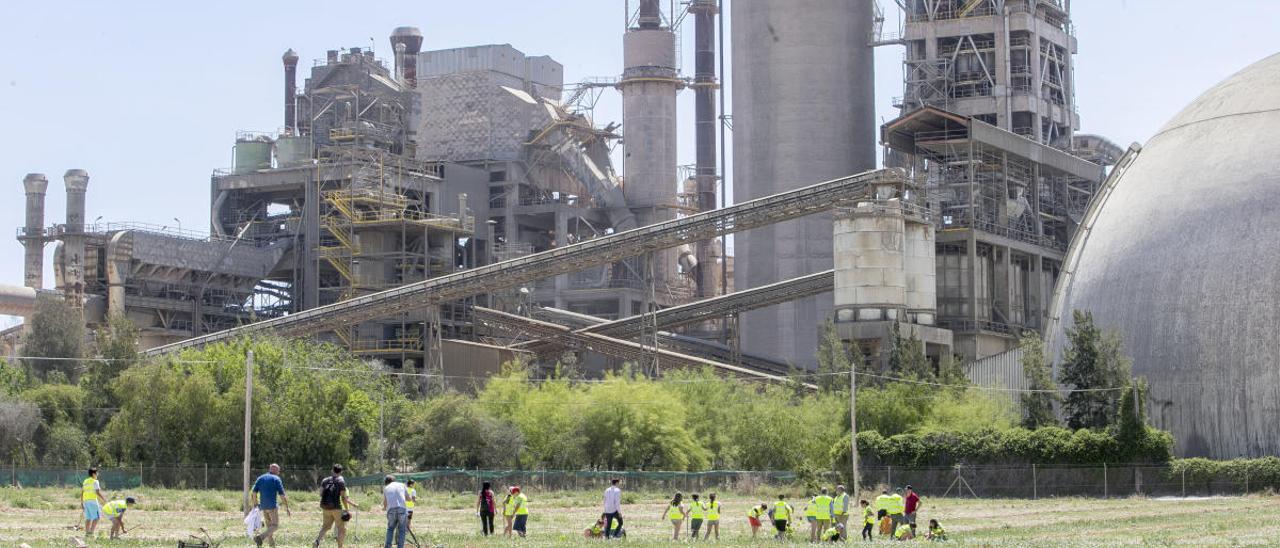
(832, 533)
(713, 517)
(781, 514)
(676, 513)
(884, 502)
(114, 511)
(823, 506)
(868, 519)
(811, 517)
(91, 501)
(840, 510)
(410, 500)
(897, 509)
(521, 522)
(936, 532)
(697, 513)
(754, 515)
(905, 531)
(508, 511)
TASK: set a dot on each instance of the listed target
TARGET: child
(905, 532)
(832, 534)
(753, 517)
(868, 519)
(115, 511)
(935, 531)
(886, 522)
(595, 531)
(676, 514)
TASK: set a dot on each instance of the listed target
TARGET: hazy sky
(147, 96)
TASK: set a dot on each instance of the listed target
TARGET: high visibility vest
(842, 503)
(674, 511)
(811, 510)
(884, 502)
(89, 492)
(868, 516)
(697, 510)
(902, 531)
(899, 505)
(754, 512)
(524, 505)
(938, 533)
(115, 508)
(509, 506)
(408, 501)
(823, 507)
(831, 534)
(781, 511)
(713, 510)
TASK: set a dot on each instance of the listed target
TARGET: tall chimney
(290, 90)
(407, 64)
(33, 235)
(650, 15)
(77, 182)
(705, 88)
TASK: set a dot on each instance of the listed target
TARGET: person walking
(868, 519)
(266, 489)
(394, 495)
(697, 513)
(840, 511)
(508, 511)
(91, 501)
(612, 509)
(897, 509)
(811, 517)
(333, 505)
(713, 517)
(753, 517)
(911, 505)
(486, 508)
(676, 513)
(521, 504)
(780, 515)
(114, 511)
(823, 505)
(410, 500)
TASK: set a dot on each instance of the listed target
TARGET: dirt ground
(46, 517)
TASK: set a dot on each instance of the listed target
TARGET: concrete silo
(803, 112)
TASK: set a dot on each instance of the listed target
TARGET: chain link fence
(987, 481)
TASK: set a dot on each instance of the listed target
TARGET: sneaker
(257, 539)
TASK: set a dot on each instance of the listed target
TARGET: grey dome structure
(1182, 255)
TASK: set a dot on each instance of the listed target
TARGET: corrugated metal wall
(1003, 370)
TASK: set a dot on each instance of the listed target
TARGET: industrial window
(497, 176)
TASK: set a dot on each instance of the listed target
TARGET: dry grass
(44, 517)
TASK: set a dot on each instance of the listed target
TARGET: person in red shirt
(912, 505)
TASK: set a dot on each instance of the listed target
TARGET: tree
(18, 423)
(1133, 418)
(834, 358)
(116, 344)
(57, 333)
(907, 357)
(1037, 407)
(1092, 361)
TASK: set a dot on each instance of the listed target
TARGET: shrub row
(1008, 446)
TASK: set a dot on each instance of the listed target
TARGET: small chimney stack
(407, 63)
(77, 182)
(290, 90)
(33, 234)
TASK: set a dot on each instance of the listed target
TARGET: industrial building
(1177, 254)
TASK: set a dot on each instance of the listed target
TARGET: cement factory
(445, 211)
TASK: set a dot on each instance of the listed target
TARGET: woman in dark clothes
(486, 507)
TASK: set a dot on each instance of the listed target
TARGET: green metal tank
(252, 154)
(293, 150)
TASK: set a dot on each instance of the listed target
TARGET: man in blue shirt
(265, 491)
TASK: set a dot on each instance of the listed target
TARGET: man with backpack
(335, 504)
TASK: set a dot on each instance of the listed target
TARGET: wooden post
(1184, 483)
(248, 424)
(1034, 493)
(1104, 481)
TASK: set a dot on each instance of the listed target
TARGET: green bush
(1260, 474)
(1009, 446)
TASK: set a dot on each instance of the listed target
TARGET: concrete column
(33, 234)
(77, 183)
(311, 237)
(562, 239)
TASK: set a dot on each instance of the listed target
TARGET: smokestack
(705, 87)
(290, 90)
(33, 235)
(77, 182)
(650, 15)
(407, 63)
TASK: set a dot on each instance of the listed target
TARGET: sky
(147, 95)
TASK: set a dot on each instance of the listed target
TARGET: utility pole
(853, 426)
(248, 423)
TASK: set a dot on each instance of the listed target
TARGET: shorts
(754, 522)
(92, 510)
(520, 523)
(780, 525)
(911, 518)
(695, 523)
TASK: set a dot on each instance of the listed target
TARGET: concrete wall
(870, 280)
(804, 112)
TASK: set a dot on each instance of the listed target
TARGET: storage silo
(803, 112)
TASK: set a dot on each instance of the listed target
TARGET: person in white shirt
(612, 509)
(393, 497)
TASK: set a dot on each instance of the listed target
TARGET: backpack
(331, 492)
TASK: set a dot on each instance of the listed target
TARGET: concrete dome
(1184, 259)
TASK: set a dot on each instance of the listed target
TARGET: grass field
(44, 517)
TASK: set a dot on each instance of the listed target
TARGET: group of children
(96, 506)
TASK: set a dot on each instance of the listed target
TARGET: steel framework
(415, 296)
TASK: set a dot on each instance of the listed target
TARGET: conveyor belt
(485, 279)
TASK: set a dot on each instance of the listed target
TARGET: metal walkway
(571, 258)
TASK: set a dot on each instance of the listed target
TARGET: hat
(515, 488)
(908, 487)
(130, 500)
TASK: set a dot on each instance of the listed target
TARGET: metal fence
(988, 481)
